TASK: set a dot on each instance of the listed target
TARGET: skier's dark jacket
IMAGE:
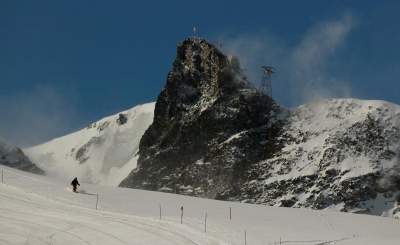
(75, 182)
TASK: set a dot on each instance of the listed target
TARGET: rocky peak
(206, 102)
(200, 75)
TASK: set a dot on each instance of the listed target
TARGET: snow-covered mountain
(212, 134)
(337, 153)
(104, 152)
(14, 157)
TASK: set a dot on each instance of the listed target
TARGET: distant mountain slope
(104, 152)
(14, 157)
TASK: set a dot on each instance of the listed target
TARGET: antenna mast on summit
(195, 32)
(266, 80)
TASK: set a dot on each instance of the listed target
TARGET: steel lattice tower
(266, 80)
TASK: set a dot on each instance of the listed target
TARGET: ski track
(36, 226)
(41, 218)
(175, 235)
(73, 226)
(108, 218)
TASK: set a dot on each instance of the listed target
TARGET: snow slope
(104, 152)
(322, 119)
(342, 154)
(41, 210)
(312, 125)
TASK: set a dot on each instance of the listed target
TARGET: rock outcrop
(14, 157)
(210, 125)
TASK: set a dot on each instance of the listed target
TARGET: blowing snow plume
(302, 67)
(35, 116)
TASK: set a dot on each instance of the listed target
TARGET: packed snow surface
(105, 152)
(43, 210)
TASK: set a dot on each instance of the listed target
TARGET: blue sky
(64, 64)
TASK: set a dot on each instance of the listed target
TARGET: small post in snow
(245, 237)
(230, 213)
(97, 199)
(160, 210)
(181, 214)
(205, 223)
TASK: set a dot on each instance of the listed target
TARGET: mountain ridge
(380, 209)
(242, 146)
(214, 135)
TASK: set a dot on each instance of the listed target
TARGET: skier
(75, 184)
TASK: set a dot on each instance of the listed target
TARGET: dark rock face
(14, 157)
(82, 153)
(210, 125)
(122, 119)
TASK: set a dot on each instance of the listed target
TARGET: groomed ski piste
(43, 210)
